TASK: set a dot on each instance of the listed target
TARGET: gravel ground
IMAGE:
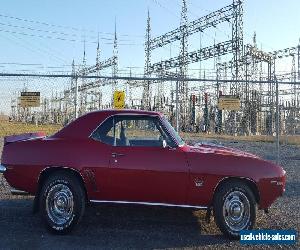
(111, 227)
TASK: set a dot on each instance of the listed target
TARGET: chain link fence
(196, 113)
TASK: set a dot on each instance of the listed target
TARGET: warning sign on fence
(30, 99)
(229, 103)
(119, 99)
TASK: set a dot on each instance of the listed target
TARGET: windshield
(173, 132)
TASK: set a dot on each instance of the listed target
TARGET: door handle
(114, 155)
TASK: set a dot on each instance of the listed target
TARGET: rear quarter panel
(27, 159)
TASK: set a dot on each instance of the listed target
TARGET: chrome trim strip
(237, 177)
(148, 203)
(278, 183)
(18, 192)
(34, 138)
(2, 168)
(60, 167)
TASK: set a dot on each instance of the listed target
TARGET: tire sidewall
(77, 193)
(219, 203)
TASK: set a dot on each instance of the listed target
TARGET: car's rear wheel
(62, 202)
(234, 208)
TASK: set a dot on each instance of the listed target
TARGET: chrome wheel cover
(236, 211)
(60, 204)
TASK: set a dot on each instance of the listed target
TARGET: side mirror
(164, 142)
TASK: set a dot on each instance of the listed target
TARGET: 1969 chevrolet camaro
(130, 156)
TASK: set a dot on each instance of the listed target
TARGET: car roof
(83, 126)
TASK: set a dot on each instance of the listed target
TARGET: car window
(134, 131)
(138, 131)
(173, 132)
(141, 130)
(105, 132)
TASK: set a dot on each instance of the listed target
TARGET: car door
(97, 155)
(141, 168)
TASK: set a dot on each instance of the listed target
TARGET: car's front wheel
(234, 208)
(62, 202)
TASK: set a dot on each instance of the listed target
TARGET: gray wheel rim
(60, 204)
(236, 211)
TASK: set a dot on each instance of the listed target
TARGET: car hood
(218, 149)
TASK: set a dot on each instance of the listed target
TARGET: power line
(142, 78)
(59, 33)
(36, 50)
(59, 38)
(15, 63)
(61, 26)
(40, 49)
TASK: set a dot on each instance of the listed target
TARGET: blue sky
(43, 36)
(26, 28)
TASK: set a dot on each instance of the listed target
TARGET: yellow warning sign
(30, 99)
(229, 103)
(119, 99)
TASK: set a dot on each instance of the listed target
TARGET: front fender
(211, 169)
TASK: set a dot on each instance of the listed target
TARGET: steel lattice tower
(83, 96)
(254, 102)
(294, 78)
(73, 74)
(237, 43)
(98, 56)
(183, 60)
(298, 64)
(98, 94)
(146, 91)
(73, 79)
(115, 55)
(84, 57)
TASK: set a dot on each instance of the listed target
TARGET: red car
(131, 156)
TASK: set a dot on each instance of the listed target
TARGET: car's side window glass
(134, 131)
(105, 132)
(138, 131)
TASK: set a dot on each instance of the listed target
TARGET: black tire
(62, 202)
(234, 208)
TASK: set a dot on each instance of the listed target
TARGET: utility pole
(146, 91)
(177, 106)
(76, 97)
(183, 87)
(277, 121)
(115, 65)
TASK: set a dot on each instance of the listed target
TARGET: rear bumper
(2, 168)
(13, 190)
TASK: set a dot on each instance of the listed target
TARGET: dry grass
(284, 139)
(13, 128)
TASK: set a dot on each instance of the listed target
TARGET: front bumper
(2, 168)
